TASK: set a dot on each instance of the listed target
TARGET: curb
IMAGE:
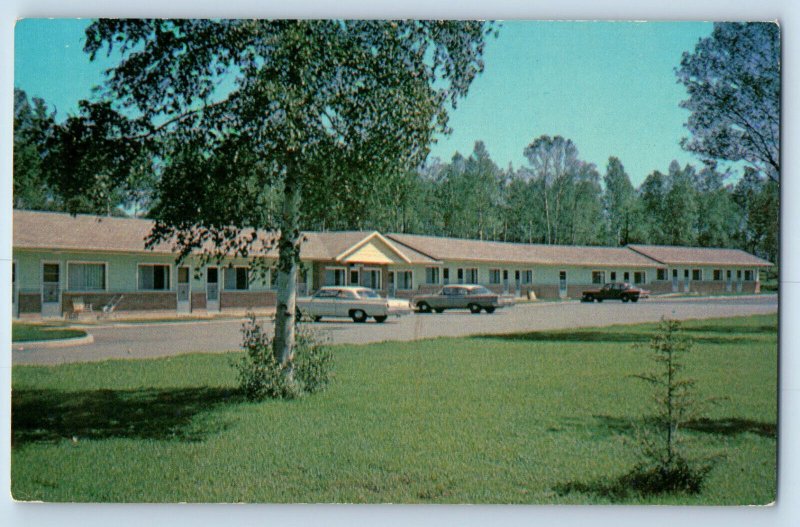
(55, 343)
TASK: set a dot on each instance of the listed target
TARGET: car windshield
(480, 291)
(368, 293)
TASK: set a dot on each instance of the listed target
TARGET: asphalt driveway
(172, 338)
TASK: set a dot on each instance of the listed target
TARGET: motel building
(62, 263)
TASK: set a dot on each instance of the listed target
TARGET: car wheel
(381, 319)
(599, 300)
(474, 309)
(635, 299)
(489, 309)
(424, 307)
(587, 298)
(625, 298)
(439, 310)
(358, 316)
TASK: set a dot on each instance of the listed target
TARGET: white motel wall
(61, 262)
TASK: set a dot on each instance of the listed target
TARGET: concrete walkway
(149, 340)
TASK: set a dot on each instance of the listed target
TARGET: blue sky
(608, 86)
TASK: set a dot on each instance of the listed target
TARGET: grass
(531, 418)
(24, 332)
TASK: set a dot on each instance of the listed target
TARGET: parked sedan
(358, 303)
(615, 291)
(472, 297)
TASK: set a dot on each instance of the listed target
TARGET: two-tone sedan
(476, 298)
(358, 303)
(615, 291)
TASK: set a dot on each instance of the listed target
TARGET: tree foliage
(261, 123)
(733, 82)
(33, 125)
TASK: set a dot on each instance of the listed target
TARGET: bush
(664, 466)
(262, 377)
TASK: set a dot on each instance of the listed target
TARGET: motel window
(354, 276)
(432, 275)
(598, 277)
(697, 274)
(527, 276)
(153, 277)
(445, 276)
(50, 273)
(460, 274)
(661, 274)
(86, 276)
(405, 280)
(371, 278)
(236, 278)
(748, 275)
(728, 274)
(738, 274)
(494, 276)
(639, 277)
(626, 276)
(685, 274)
(613, 276)
(472, 275)
(334, 276)
(717, 274)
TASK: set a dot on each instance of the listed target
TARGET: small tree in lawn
(245, 117)
(665, 466)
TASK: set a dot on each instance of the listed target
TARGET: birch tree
(274, 104)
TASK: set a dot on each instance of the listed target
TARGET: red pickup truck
(615, 291)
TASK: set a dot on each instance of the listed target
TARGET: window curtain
(87, 277)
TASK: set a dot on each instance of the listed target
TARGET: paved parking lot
(168, 338)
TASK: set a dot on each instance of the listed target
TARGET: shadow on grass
(767, 330)
(52, 415)
(725, 427)
(681, 478)
(608, 337)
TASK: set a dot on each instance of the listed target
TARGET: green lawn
(535, 418)
(22, 332)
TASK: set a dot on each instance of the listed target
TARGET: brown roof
(489, 251)
(672, 255)
(83, 232)
(55, 230)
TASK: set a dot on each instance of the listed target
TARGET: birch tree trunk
(288, 258)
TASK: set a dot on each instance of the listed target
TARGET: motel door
(674, 280)
(686, 282)
(212, 289)
(562, 284)
(391, 285)
(184, 290)
(738, 280)
(517, 282)
(728, 281)
(505, 281)
(51, 290)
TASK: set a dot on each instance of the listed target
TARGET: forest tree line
(557, 198)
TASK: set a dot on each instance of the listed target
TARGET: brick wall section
(30, 303)
(130, 301)
(198, 301)
(246, 299)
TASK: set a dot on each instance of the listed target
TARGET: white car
(358, 303)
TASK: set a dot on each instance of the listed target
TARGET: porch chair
(79, 307)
